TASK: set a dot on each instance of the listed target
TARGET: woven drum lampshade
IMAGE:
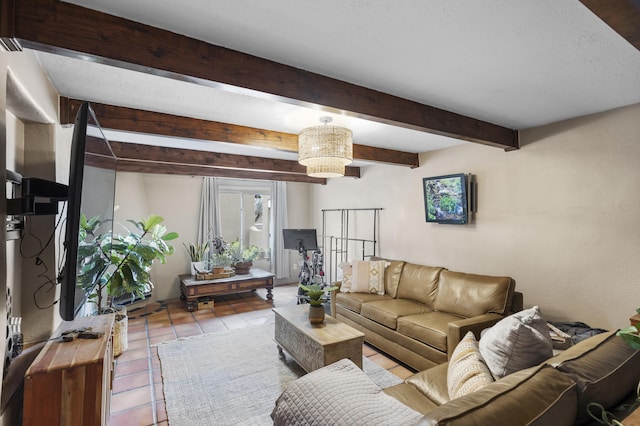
(325, 150)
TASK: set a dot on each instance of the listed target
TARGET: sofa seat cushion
(354, 301)
(339, 393)
(430, 328)
(432, 383)
(605, 368)
(387, 312)
(537, 396)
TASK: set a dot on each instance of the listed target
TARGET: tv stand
(70, 382)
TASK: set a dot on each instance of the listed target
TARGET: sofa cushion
(419, 283)
(516, 342)
(470, 295)
(387, 312)
(467, 371)
(354, 301)
(339, 393)
(430, 328)
(537, 396)
(368, 276)
(432, 382)
(605, 368)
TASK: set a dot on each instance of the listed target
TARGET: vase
(316, 314)
(120, 331)
(242, 268)
(218, 270)
(198, 266)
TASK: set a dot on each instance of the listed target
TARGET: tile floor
(137, 397)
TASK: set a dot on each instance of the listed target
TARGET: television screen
(92, 175)
(300, 239)
(446, 199)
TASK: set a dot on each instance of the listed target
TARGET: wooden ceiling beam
(179, 156)
(127, 165)
(623, 16)
(64, 28)
(135, 120)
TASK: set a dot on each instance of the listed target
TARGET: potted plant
(121, 265)
(198, 255)
(316, 295)
(242, 258)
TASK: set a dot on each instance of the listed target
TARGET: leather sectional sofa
(425, 311)
(601, 369)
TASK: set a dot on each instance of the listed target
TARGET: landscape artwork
(445, 199)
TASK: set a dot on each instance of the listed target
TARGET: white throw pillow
(347, 271)
(466, 371)
(516, 342)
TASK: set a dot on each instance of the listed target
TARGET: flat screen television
(92, 177)
(447, 199)
(300, 239)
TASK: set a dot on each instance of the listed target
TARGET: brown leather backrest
(470, 295)
(419, 283)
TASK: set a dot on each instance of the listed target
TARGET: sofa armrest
(333, 297)
(458, 329)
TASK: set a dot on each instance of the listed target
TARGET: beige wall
(18, 152)
(560, 215)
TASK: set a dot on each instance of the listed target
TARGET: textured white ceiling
(518, 64)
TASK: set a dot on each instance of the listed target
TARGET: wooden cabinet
(69, 383)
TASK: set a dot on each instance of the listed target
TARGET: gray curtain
(209, 221)
(280, 256)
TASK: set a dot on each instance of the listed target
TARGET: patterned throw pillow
(347, 270)
(363, 276)
(467, 372)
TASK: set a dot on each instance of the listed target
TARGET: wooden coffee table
(315, 345)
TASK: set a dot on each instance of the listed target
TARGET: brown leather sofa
(601, 369)
(426, 310)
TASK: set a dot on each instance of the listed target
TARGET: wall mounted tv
(449, 199)
(92, 177)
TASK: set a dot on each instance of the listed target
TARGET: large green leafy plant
(121, 263)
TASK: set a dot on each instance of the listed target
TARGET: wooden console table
(69, 383)
(194, 291)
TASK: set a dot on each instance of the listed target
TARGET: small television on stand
(300, 239)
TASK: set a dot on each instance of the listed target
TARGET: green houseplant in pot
(316, 295)
(198, 254)
(121, 264)
(242, 258)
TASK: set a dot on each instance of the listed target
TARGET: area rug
(232, 377)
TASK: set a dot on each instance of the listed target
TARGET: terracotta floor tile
(368, 350)
(401, 371)
(130, 399)
(133, 354)
(162, 338)
(168, 329)
(161, 413)
(182, 319)
(142, 335)
(131, 367)
(137, 344)
(383, 361)
(141, 416)
(132, 381)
